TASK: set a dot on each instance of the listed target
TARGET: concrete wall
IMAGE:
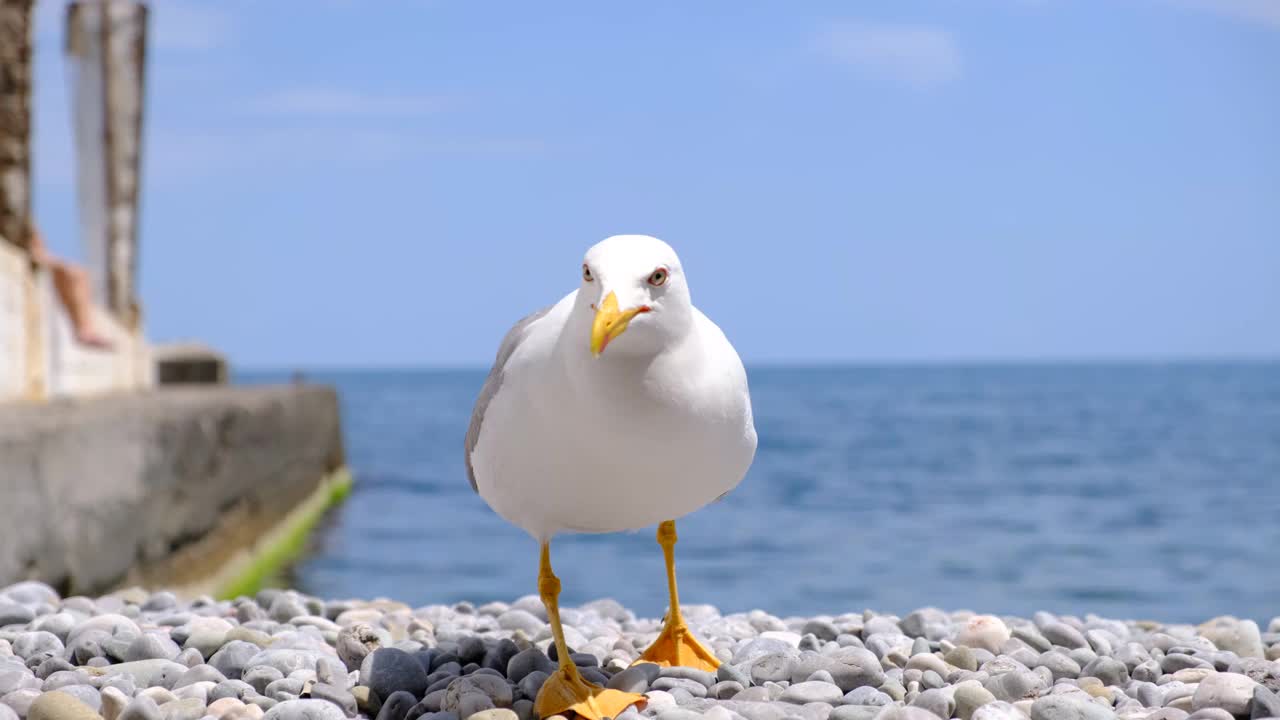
(13, 320)
(99, 492)
(39, 355)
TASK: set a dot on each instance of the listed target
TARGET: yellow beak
(610, 322)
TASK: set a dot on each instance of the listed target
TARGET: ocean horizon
(1135, 489)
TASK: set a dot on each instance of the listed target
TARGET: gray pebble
(149, 646)
(261, 676)
(670, 684)
(1229, 691)
(526, 661)
(702, 677)
(1074, 706)
(305, 710)
(336, 695)
(812, 691)
(1062, 634)
(724, 689)
(141, 708)
(635, 679)
(938, 702)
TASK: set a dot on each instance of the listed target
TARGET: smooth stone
(188, 709)
(58, 705)
(774, 667)
(150, 646)
(390, 670)
(1062, 634)
(1032, 638)
(199, 673)
(998, 710)
(11, 680)
(397, 706)
(702, 677)
(230, 688)
(1230, 691)
(727, 672)
(1167, 714)
(14, 614)
(114, 701)
(141, 708)
(821, 629)
(866, 695)
(261, 676)
(336, 695)
(1147, 671)
(286, 661)
(893, 689)
(149, 673)
(854, 712)
(812, 691)
(725, 689)
(355, 642)
(1107, 669)
(495, 714)
(635, 679)
(969, 696)
(1266, 704)
(518, 619)
(196, 691)
(233, 657)
(1059, 664)
(305, 710)
(936, 701)
(678, 713)
(1074, 706)
(20, 700)
(984, 631)
(159, 694)
(42, 644)
(962, 657)
(1211, 714)
(1017, 685)
(530, 684)
(86, 694)
(670, 684)
(527, 661)
(1241, 637)
(63, 678)
(289, 686)
(908, 712)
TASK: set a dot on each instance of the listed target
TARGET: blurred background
(1005, 275)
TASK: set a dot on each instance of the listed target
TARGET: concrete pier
(183, 487)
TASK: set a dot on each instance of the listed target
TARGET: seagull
(619, 407)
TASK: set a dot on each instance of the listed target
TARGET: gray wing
(508, 346)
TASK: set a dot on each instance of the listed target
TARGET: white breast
(583, 444)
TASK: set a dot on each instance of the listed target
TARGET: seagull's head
(634, 284)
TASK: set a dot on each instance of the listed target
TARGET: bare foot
(90, 338)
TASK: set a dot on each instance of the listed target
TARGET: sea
(1132, 491)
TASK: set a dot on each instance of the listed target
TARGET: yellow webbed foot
(677, 646)
(566, 692)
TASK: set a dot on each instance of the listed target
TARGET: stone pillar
(15, 120)
(106, 43)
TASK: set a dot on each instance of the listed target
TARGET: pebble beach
(282, 655)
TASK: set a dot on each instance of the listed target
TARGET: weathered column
(106, 44)
(15, 120)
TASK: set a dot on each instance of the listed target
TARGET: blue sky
(394, 183)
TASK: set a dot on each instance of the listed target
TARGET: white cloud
(1260, 12)
(916, 54)
(343, 103)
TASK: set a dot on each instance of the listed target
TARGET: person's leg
(72, 284)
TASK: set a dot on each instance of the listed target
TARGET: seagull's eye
(658, 277)
(586, 273)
